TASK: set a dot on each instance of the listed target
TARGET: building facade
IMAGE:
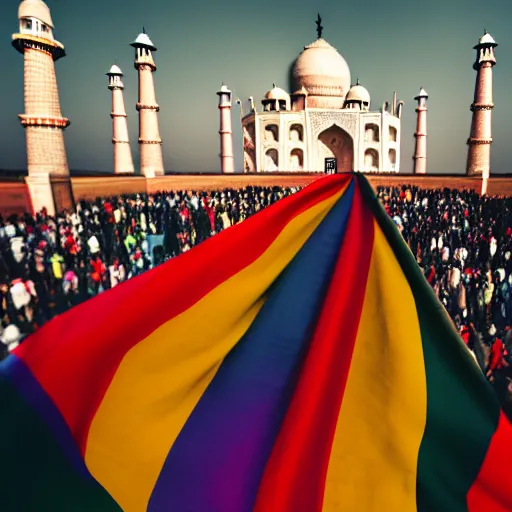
(324, 118)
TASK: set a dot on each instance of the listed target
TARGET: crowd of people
(49, 264)
(462, 242)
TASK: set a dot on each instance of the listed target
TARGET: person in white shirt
(94, 245)
(11, 337)
(226, 223)
(398, 221)
(20, 295)
(10, 230)
(75, 220)
(493, 246)
(454, 278)
(17, 248)
(143, 222)
(117, 273)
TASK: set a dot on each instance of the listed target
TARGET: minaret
(227, 163)
(123, 161)
(151, 159)
(480, 138)
(43, 122)
(420, 151)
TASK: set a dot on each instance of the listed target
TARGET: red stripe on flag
(75, 356)
(295, 474)
(491, 490)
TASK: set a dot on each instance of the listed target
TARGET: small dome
(276, 93)
(358, 93)
(486, 39)
(224, 90)
(422, 94)
(35, 9)
(115, 70)
(143, 40)
(321, 70)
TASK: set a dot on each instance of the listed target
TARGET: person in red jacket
(70, 248)
(464, 332)
(97, 272)
(496, 358)
(109, 212)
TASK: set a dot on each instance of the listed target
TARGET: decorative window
(296, 133)
(371, 133)
(371, 160)
(272, 133)
(271, 160)
(392, 159)
(296, 159)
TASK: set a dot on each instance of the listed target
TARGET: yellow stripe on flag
(374, 456)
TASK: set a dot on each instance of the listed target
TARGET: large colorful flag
(297, 362)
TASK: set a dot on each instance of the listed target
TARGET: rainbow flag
(298, 362)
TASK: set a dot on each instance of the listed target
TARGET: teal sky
(396, 45)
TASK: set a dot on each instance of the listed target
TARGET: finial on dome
(319, 28)
(273, 85)
(143, 30)
(357, 81)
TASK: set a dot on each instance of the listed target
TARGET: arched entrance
(336, 142)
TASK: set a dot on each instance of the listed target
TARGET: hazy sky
(395, 45)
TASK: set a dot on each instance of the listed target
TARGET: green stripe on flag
(462, 410)
(35, 476)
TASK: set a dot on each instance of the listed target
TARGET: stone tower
(43, 122)
(420, 151)
(123, 161)
(227, 164)
(480, 138)
(151, 159)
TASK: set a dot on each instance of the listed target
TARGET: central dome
(324, 73)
